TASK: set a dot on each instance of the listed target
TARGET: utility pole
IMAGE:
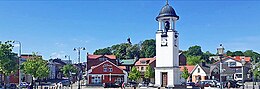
(80, 71)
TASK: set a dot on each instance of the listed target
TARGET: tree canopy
(134, 74)
(149, 72)
(129, 51)
(8, 59)
(193, 60)
(66, 69)
(185, 74)
(35, 66)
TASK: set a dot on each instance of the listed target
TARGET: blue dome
(167, 11)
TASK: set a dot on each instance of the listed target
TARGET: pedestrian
(228, 84)
(123, 85)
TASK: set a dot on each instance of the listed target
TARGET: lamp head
(74, 49)
(83, 48)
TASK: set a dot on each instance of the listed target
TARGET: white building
(167, 71)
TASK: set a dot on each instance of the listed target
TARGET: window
(102, 59)
(105, 69)
(142, 68)
(198, 70)
(231, 64)
(110, 69)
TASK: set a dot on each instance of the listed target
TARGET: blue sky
(54, 28)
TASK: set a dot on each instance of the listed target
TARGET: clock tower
(167, 71)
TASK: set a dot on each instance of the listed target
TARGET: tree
(148, 48)
(66, 69)
(120, 50)
(36, 67)
(134, 74)
(149, 73)
(104, 51)
(194, 51)
(229, 53)
(133, 51)
(185, 74)
(8, 60)
(238, 53)
(193, 60)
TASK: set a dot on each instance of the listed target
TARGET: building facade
(106, 72)
(167, 71)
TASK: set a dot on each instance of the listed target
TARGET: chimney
(203, 63)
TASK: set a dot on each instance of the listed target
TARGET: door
(164, 79)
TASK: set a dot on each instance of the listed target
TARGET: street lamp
(243, 64)
(19, 61)
(78, 50)
(68, 56)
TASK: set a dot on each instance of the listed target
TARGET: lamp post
(19, 61)
(78, 50)
(243, 64)
(220, 71)
(253, 76)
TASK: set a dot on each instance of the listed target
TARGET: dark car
(190, 84)
(111, 85)
(233, 84)
(202, 84)
(65, 82)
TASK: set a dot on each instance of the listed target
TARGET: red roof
(190, 68)
(239, 58)
(90, 56)
(122, 67)
(149, 60)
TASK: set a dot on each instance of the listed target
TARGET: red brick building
(106, 72)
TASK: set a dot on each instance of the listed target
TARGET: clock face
(164, 41)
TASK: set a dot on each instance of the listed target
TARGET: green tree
(229, 53)
(66, 69)
(238, 53)
(148, 48)
(149, 72)
(104, 51)
(8, 60)
(194, 51)
(120, 50)
(193, 60)
(35, 66)
(185, 74)
(134, 74)
(133, 51)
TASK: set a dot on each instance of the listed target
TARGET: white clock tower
(167, 71)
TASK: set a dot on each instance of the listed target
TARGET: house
(106, 72)
(235, 64)
(182, 59)
(55, 66)
(143, 63)
(205, 71)
(93, 60)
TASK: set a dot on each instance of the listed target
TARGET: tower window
(198, 70)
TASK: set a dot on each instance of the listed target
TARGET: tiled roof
(127, 61)
(239, 58)
(122, 67)
(149, 60)
(190, 68)
(90, 56)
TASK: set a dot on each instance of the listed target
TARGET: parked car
(24, 84)
(212, 83)
(150, 85)
(190, 84)
(143, 84)
(65, 82)
(11, 86)
(233, 84)
(110, 85)
(132, 84)
(202, 84)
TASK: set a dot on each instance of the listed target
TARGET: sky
(54, 28)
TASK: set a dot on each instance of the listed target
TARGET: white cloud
(58, 54)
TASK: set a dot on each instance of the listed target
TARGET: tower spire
(167, 2)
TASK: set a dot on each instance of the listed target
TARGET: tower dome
(167, 11)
